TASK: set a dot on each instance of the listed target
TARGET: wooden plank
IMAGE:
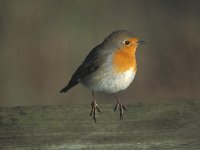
(154, 126)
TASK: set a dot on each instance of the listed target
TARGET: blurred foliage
(43, 42)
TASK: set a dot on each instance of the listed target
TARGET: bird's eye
(127, 42)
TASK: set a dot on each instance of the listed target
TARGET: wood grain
(152, 126)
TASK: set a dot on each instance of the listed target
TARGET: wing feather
(91, 63)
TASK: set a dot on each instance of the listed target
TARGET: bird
(109, 67)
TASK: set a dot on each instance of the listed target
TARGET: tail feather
(69, 86)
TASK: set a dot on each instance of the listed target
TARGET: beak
(140, 42)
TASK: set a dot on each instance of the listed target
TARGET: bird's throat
(125, 59)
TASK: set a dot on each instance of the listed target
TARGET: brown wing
(92, 62)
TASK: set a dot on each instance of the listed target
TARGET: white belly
(106, 80)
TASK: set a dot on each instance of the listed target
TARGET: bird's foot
(94, 109)
(121, 108)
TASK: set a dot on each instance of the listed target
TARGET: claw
(121, 108)
(124, 107)
(116, 107)
(93, 110)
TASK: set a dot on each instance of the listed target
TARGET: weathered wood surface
(158, 126)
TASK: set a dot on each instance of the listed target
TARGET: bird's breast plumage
(107, 78)
(124, 59)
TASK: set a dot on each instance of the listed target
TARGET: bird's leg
(94, 108)
(119, 106)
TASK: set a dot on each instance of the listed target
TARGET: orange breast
(124, 59)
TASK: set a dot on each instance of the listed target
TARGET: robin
(110, 67)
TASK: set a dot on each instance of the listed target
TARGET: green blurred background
(42, 42)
